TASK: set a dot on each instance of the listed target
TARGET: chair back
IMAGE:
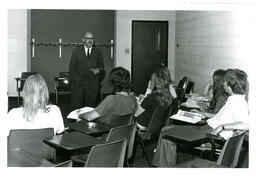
(157, 121)
(120, 120)
(180, 89)
(182, 83)
(67, 163)
(175, 106)
(127, 132)
(30, 140)
(230, 152)
(107, 155)
(24, 76)
(190, 87)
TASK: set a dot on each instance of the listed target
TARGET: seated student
(152, 84)
(234, 115)
(120, 103)
(36, 112)
(160, 96)
(219, 96)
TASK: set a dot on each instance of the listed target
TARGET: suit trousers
(80, 97)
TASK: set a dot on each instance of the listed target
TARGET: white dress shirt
(86, 50)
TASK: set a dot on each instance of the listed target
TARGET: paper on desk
(186, 116)
(197, 97)
(191, 104)
(74, 114)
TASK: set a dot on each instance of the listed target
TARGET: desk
(83, 127)
(21, 158)
(190, 136)
(72, 141)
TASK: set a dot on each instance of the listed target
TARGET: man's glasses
(89, 38)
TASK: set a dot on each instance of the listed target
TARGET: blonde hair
(35, 96)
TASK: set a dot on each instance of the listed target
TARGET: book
(189, 117)
(74, 114)
(190, 104)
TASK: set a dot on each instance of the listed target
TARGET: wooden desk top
(83, 127)
(191, 135)
(21, 158)
(72, 141)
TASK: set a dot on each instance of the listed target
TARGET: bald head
(88, 39)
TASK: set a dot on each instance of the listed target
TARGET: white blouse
(52, 119)
(235, 110)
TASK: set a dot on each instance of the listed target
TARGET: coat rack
(65, 44)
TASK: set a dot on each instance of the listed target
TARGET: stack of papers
(191, 104)
(74, 114)
(189, 117)
(196, 97)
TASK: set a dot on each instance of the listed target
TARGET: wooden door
(149, 49)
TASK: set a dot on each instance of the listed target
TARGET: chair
(120, 120)
(21, 81)
(62, 84)
(180, 89)
(175, 106)
(127, 132)
(156, 123)
(229, 156)
(184, 87)
(30, 140)
(107, 155)
(67, 163)
(182, 82)
(117, 133)
(190, 87)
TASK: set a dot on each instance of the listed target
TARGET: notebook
(74, 114)
(189, 117)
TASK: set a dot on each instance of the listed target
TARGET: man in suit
(85, 67)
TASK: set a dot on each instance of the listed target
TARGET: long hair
(35, 96)
(165, 73)
(162, 90)
(218, 88)
(236, 80)
(119, 78)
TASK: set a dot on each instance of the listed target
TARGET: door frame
(166, 47)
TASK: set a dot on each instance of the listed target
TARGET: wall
(124, 34)
(69, 25)
(122, 41)
(18, 37)
(209, 40)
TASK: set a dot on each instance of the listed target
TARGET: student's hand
(202, 105)
(95, 71)
(141, 96)
(217, 130)
(80, 117)
(195, 110)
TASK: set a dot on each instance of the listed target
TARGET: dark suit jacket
(79, 68)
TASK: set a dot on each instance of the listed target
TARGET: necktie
(88, 52)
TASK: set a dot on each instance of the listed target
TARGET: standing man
(85, 66)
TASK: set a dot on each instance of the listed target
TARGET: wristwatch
(223, 127)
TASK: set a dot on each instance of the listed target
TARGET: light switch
(127, 51)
